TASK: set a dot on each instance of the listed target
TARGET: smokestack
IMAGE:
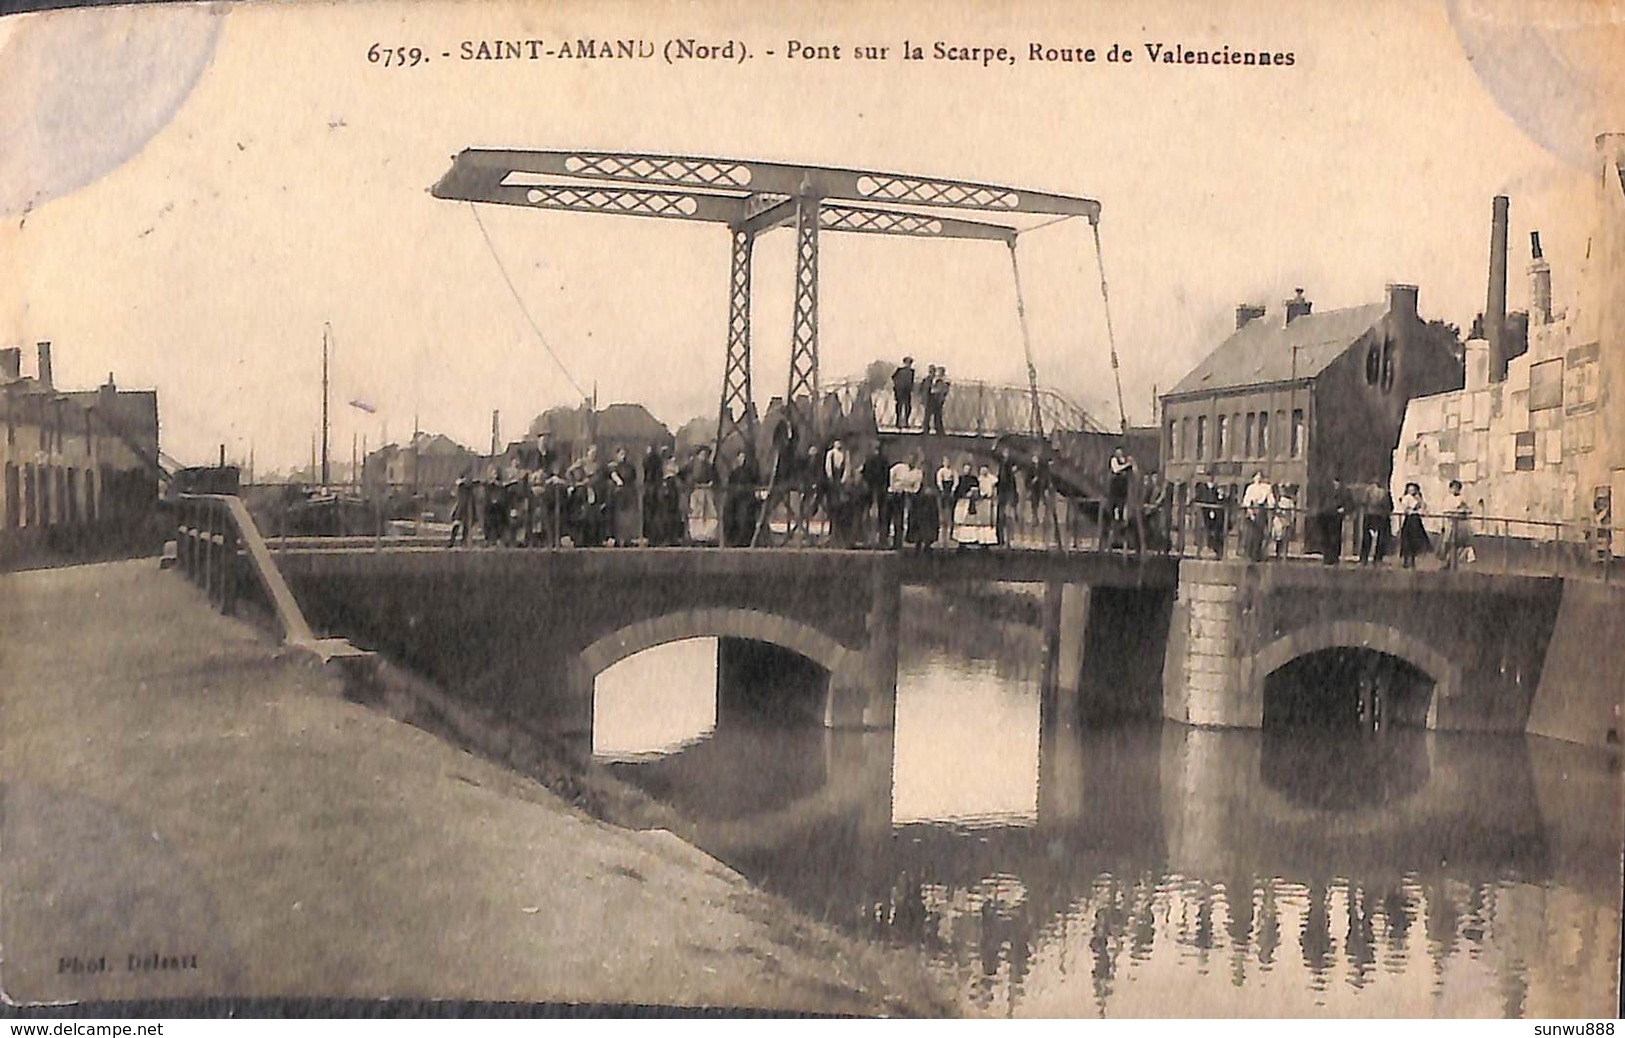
(1540, 283)
(496, 433)
(1297, 306)
(1247, 312)
(11, 363)
(45, 366)
(1495, 308)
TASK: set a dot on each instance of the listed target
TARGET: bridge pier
(1105, 649)
(1203, 683)
(878, 695)
(1479, 638)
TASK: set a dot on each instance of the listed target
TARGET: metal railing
(1495, 544)
(218, 548)
(973, 408)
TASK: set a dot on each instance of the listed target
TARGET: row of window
(49, 423)
(1237, 437)
(48, 495)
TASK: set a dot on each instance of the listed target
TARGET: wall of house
(1507, 454)
(1241, 456)
(66, 483)
(1600, 319)
(1360, 398)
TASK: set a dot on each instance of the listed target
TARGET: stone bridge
(527, 632)
(1480, 638)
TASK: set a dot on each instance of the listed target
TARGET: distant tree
(1449, 336)
(877, 376)
(696, 432)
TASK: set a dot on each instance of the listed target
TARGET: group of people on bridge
(1267, 518)
(862, 496)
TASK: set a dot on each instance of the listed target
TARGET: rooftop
(1267, 349)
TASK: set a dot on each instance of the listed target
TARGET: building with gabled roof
(1304, 397)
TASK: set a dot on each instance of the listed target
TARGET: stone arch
(1359, 634)
(843, 664)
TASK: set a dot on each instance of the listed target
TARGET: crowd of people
(864, 496)
(867, 499)
(1267, 519)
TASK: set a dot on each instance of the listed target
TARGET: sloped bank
(853, 976)
(177, 784)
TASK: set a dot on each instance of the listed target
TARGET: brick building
(1304, 397)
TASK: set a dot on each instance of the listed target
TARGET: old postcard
(893, 509)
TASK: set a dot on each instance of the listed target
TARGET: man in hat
(1209, 512)
(902, 388)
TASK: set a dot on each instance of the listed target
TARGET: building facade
(78, 470)
(1537, 436)
(1303, 397)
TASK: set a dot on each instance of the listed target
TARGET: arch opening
(719, 727)
(1347, 688)
(664, 697)
(1344, 729)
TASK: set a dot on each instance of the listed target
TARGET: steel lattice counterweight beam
(477, 172)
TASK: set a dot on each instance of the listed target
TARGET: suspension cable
(1032, 389)
(1046, 223)
(1026, 344)
(1111, 340)
(503, 270)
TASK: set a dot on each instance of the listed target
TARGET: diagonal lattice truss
(736, 415)
(732, 191)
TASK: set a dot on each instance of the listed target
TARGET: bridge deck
(912, 568)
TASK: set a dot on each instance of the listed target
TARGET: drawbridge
(752, 198)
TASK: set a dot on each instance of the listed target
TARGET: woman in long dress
(974, 510)
(924, 514)
(1413, 536)
(623, 499)
(702, 502)
(1456, 545)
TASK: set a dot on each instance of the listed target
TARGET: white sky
(202, 255)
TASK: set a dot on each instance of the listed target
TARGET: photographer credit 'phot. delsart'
(886, 510)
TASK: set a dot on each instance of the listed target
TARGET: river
(1053, 868)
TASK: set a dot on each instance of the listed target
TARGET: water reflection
(966, 744)
(1144, 869)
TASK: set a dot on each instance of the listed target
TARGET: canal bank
(178, 790)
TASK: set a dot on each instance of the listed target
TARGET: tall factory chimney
(496, 433)
(44, 373)
(1540, 283)
(1495, 308)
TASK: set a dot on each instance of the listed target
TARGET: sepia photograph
(846, 509)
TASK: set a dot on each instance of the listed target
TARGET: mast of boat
(327, 330)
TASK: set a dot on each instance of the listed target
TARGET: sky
(190, 193)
